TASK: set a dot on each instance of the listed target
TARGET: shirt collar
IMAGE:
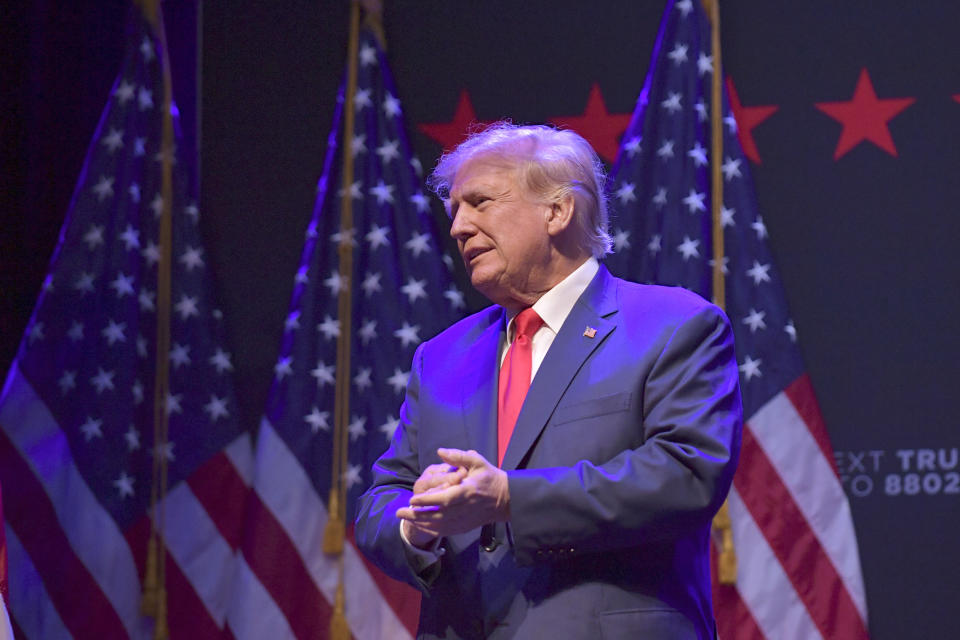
(555, 305)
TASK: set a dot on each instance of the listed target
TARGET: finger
(438, 468)
(439, 498)
(421, 516)
(427, 483)
(430, 484)
(439, 487)
(459, 458)
(450, 476)
(409, 513)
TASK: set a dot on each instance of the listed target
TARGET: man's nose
(462, 226)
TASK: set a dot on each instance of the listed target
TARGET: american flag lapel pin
(589, 332)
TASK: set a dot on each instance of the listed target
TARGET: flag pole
(335, 531)
(154, 602)
(716, 153)
(722, 527)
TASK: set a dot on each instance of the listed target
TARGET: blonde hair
(551, 163)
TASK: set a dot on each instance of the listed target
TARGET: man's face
(501, 232)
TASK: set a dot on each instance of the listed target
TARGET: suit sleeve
(671, 484)
(377, 528)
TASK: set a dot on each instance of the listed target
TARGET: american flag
(799, 570)
(76, 443)
(402, 294)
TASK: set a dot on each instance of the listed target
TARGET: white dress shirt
(553, 307)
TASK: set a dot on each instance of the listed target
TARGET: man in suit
(580, 507)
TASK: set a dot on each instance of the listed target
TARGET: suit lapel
(570, 349)
(479, 380)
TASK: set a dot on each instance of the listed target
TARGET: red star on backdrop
(864, 117)
(450, 134)
(747, 119)
(601, 128)
(957, 97)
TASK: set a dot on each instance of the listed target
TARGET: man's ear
(560, 216)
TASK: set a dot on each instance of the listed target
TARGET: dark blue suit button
(490, 545)
(488, 538)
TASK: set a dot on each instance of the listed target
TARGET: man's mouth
(471, 254)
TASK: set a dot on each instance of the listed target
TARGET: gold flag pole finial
(722, 528)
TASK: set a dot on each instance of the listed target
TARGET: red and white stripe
(36, 615)
(77, 573)
(798, 564)
(286, 575)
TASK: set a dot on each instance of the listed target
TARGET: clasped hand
(462, 493)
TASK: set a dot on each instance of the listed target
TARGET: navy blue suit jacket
(624, 449)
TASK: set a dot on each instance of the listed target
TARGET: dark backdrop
(864, 241)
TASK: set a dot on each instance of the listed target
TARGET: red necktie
(515, 374)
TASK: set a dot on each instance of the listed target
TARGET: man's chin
(484, 283)
(492, 289)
